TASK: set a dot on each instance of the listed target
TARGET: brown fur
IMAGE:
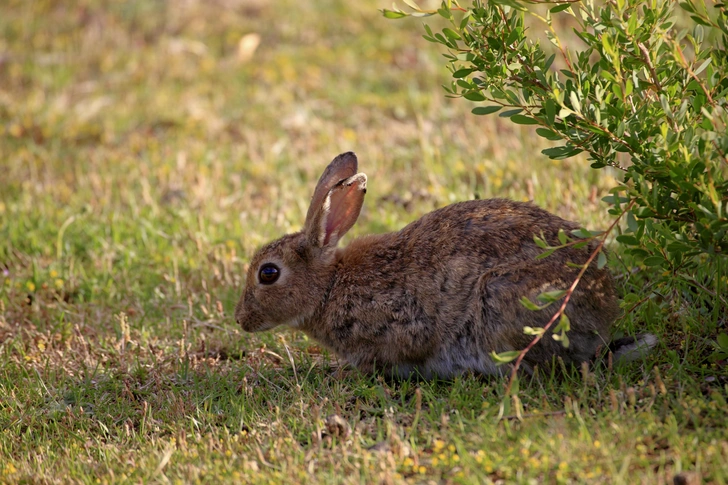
(437, 296)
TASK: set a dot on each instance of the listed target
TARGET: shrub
(641, 97)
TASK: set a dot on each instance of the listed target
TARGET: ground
(147, 149)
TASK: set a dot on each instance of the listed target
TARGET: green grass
(143, 161)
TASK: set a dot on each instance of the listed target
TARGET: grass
(145, 155)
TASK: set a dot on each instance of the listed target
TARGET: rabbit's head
(288, 278)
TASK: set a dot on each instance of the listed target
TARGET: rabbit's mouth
(252, 318)
(252, 324)
(249, 321)
(255, 323)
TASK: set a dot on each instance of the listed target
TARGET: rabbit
(432, 299)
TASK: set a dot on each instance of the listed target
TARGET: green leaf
(546, 253)
(505, 357)
(555, 152)
(551, 296)
(465, 20)
(575, 103)
(723, 341)
(644, 212)
(702, 67)
(550, 107)
(632, 24)
(687, 6)
(630, 299)
(638, 253)
(530, 305)
(678, 247)
(474, 96)
(564, 324)
(510, 112)
(628, 88)
(515, 386)
(533, 330)
(504, 408)
(700, 20)
(523, 120)
(601, 260)
(558, 153)
(628, 240)
(563, 238)
(654, 261)
(393, 14)
(631, 222)
(560, 8)
(513, 36)
(486, 110)
(563, 338)
(718, 355)
(540, 241)
(613, 199)
(460, 73)
(581, 232)
(451, 34)
(548, 62)
(565, 112)
(548, 134)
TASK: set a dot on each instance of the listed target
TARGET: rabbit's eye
(268, 273)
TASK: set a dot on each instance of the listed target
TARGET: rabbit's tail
(629, 349)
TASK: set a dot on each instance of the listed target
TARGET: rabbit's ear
(340, 168)
(337, 213)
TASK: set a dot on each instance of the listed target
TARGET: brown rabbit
(436, 297)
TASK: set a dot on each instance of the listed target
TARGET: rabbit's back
(443, 292)
(495, 232)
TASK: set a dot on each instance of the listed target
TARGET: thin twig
(708, 291)
(631, 309)
(567, 297)
(648, 61)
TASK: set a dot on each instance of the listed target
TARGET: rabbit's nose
(239, 313)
